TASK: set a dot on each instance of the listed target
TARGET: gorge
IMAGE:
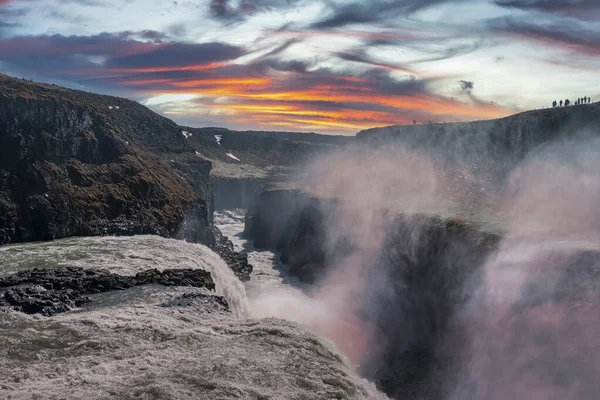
(438, 261)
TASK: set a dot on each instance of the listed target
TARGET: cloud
(566, 34)
(270, 92)
(362, 58)
(359, 12)
(466, 85)
(227, 10)
(572, 7)
(179, 55)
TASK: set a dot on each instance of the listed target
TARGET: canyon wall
(465, 256)
(75, 164)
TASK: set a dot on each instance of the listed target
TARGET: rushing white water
(127, 345)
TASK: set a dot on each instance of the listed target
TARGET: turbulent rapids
(141, 343)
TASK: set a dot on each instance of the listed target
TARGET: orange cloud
(326, 107)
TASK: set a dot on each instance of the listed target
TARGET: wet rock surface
(199, 299)
(56, 290)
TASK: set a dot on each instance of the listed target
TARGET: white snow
(234, 157)
(110, 107)
(117, 107)
(186, 134)
(218, 139)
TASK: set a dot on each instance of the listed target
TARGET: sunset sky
(330, 66)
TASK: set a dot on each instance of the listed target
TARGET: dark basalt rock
(55, 290)
(199, 299)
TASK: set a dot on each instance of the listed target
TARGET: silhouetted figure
(567, 103)
(414, 121)
(554, 103)
(561, 103)
(589, 101)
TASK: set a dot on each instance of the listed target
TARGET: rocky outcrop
(55, 290)
(76, 163)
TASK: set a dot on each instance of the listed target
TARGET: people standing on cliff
(554, 103)
(561, 103)
(567, 103)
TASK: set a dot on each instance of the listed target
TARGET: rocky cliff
(244, 161)
(418, 277)
(76, 163)
(494, 146)
(457, 293)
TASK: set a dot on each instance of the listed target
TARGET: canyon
(435, 261)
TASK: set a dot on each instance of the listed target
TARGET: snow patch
(218, 139)
(234, 157)
(110, 107)
(186, 134)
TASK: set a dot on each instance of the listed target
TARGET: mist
(445, 279)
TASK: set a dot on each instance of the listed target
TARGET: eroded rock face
(413, 281)
(55, 290)
(76, 164)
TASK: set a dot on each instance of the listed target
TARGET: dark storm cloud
(361, 12)
(569, 35)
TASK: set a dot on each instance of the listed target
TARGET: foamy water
(127, 345)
